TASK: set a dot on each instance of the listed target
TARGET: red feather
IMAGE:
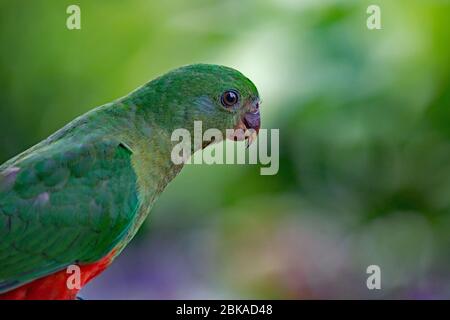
(54, 286)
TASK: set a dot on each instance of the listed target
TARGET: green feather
(87, 188)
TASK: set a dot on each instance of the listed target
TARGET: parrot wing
(65, 202)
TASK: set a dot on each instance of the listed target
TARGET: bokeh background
(364, 119)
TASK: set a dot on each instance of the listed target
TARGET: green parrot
(75, 200)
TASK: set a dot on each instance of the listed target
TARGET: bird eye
(229, 98)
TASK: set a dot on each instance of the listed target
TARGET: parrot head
(220, 97)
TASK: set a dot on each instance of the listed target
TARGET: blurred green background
(364, 119)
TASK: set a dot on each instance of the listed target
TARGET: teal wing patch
(63, 203)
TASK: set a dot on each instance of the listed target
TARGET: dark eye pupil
(229, 98)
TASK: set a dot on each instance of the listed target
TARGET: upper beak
(251, 118)
(252, 121)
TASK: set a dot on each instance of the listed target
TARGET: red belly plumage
(54, 286)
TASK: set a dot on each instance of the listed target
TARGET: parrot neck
(151, 147)
(144, 122)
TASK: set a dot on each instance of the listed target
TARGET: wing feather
(63, 203)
